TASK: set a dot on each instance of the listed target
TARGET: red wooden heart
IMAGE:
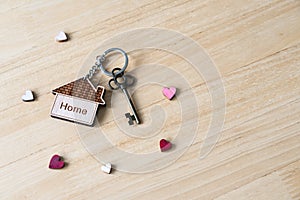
(165, 145)
(56, 162)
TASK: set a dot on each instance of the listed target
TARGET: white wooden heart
(106, 168)
(28, 96)
(61, 37)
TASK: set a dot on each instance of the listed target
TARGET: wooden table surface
(254, 44)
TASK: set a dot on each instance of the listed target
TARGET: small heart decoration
(165, 145)
(56, 162)
(169, 92)
(28, 96)
(61, 37)
(106, 168)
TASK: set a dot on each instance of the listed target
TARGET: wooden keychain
(78, 101)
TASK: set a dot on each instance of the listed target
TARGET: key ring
(122, 69)
(99, 64)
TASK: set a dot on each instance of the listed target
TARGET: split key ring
(121, 71)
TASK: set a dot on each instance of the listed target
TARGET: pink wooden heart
(169, 92)
(165, 145)
(56, 162)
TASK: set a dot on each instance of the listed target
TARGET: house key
(118, 74)
(123, 86)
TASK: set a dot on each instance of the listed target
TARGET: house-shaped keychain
(78, 101)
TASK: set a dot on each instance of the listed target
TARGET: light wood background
(254, 43)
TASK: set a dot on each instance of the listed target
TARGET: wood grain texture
(256, 47)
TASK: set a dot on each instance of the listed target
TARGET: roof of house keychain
(78, 101)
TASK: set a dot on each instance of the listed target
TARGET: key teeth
(130, 118)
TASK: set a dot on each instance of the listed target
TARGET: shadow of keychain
(119, 80)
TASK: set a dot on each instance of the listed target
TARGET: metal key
(123, 87)
(117, 73)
